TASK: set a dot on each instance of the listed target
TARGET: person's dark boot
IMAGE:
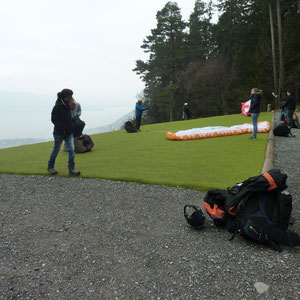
(74, 172)
(52, 171)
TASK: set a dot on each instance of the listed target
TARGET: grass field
(149, 157)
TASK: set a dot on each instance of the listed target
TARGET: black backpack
(282, 129)
(258, 209)
(129, 127)
(83, 144)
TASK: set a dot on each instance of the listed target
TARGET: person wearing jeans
(254, 110)
(63, 131)
(254, 118)
(58, 140)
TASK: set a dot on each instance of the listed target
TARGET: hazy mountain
(110, 127)
(7, 143)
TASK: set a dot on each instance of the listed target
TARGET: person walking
(63, 131)
(289, 106)
(254, 110)
(139, 108)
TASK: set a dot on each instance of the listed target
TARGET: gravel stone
(77, 238)
(261, 287)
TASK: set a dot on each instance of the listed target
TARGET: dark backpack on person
(78, 126)
(258, 209)
(282, 129)
(129, 127)
(83, 144)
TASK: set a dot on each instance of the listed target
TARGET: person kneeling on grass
(63, 131)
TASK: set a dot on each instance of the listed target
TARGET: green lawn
(149, 157)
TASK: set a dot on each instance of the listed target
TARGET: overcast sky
(89, 46)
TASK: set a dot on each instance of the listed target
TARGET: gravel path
(75, 238)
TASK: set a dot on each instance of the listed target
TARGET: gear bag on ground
(258, 209)
(282, 129)
(83, 144)
(129, 127)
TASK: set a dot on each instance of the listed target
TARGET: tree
(166, 58)
(200, 30)
(211, 87)
(214, 66)
(280, 47)
(273, 55)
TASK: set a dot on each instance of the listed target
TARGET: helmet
(197, 219)
(140, 100)
(185, 104)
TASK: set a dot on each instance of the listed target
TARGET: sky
(89, 46)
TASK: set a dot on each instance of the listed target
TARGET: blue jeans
(254, 121)
(58, 139)
(282, 114)
(289, 117)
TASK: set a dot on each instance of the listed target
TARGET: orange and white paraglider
(217, 131)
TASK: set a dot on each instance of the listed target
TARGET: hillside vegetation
(213, 64)
(149, 157)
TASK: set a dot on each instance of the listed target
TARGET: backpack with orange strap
(258, 209)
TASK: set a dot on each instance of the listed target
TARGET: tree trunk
(170, 112)
(273, 56)
(281, 69)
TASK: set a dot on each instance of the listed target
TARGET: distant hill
(117, 125)
(7, 143)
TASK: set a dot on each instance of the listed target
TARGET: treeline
(213, 66)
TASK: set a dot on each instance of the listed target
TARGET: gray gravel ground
(75, 238)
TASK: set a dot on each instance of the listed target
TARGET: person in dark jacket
(254, 109)
(63, 131)
(282, 103)
(139, 108)
(289, 106)
(185, 112)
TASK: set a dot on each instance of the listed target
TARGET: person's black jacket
(186, 110)
(61, 118)
(255, 103)
(282, 103)
(290, 103)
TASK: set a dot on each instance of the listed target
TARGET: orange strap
(271, 181)
(214, 212)
(231, 210)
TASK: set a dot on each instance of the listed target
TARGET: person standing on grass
(254, 110)
(63, 131)
(139, 108)
(290, 106)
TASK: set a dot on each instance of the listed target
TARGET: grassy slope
(149, 157)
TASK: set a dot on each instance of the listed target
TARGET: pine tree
(200, 32)
(166, 58)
